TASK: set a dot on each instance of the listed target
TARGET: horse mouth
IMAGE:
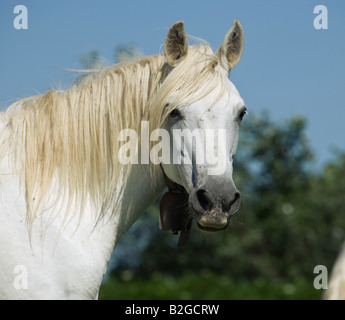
(212, 229)
(176, 213)
(212, 221)
(178, 209)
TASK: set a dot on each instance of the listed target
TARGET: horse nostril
(237, 197)
(226, 206)
(204, 199)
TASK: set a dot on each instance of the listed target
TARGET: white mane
(72, 136)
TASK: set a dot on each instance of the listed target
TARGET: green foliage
(204, 285)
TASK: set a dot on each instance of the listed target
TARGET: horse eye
(176, 114)
(242, 114)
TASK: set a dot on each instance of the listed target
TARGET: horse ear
(176, 43)
(230, 51)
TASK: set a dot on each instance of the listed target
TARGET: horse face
(204, 139)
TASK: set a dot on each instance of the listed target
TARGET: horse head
(203, 115)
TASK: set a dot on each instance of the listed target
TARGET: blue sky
(288, 67)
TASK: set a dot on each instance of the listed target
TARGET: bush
(204, 285)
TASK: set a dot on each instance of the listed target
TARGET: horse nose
(229, 202)
(214, 210)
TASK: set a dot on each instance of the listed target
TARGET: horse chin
(211, 221)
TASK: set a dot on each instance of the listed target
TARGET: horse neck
(137, 195)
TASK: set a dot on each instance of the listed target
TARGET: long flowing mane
(69, 139)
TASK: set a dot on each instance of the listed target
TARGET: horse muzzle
(213, 212)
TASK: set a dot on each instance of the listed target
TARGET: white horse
(66, 198)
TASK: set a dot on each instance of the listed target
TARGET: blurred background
(290, 164)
